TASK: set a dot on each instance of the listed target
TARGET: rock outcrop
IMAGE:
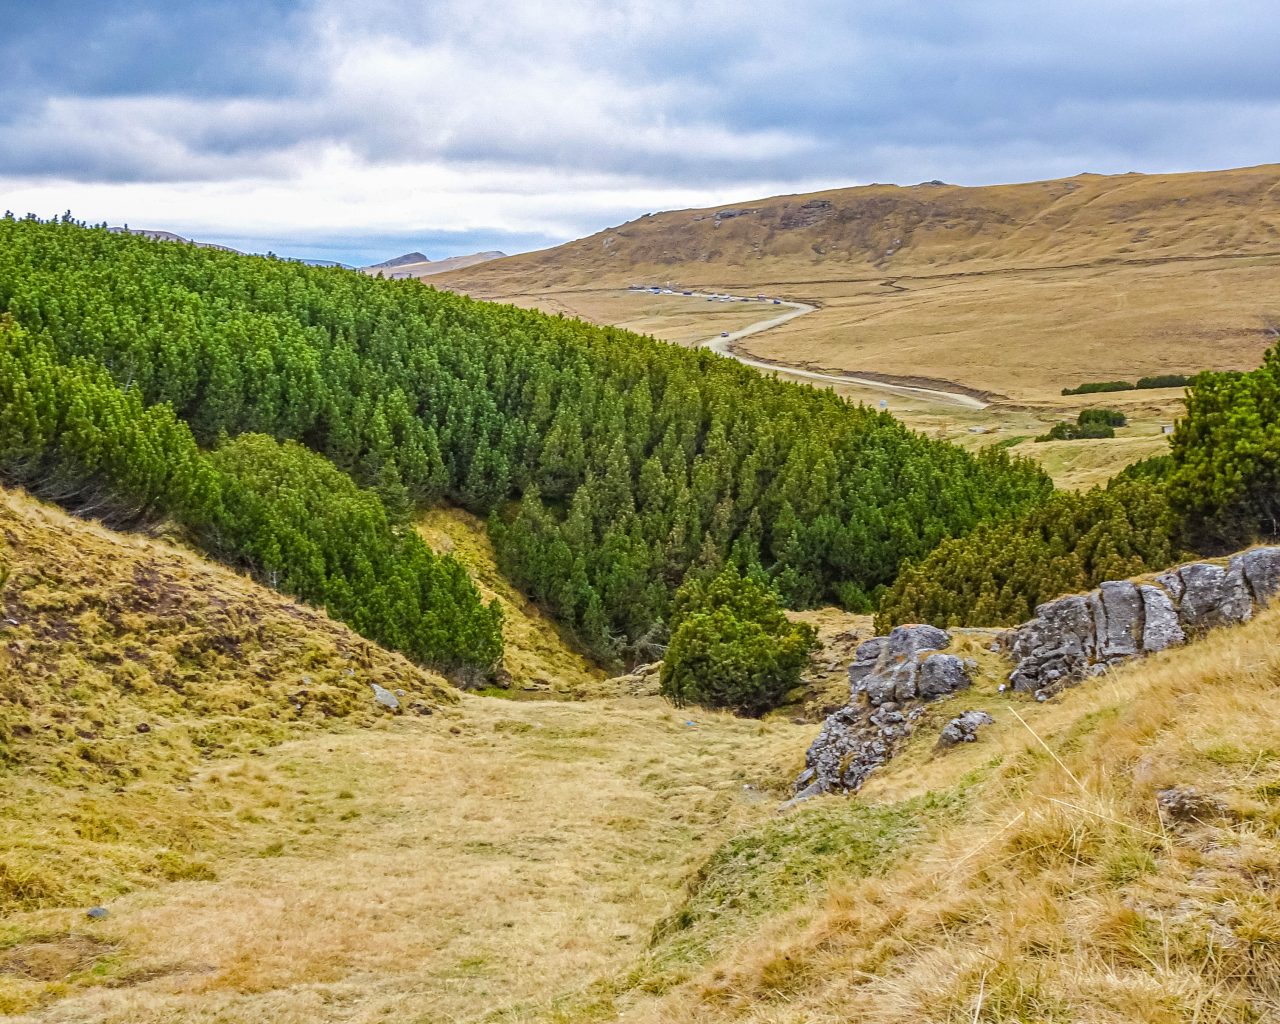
(1069, 640)
(895, 674)
(1078, 636)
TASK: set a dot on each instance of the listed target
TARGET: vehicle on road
(724, 334)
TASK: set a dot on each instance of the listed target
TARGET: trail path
(724, 345)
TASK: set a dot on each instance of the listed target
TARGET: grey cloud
(140, 47)
(693, 93)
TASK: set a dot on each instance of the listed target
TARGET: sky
(356, 131)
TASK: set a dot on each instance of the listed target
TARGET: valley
(370, 653)
(559, 514)
(952, 288)
(613, 858)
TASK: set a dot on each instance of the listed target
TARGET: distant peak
(400, 261)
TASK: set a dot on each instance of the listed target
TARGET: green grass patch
(783, 864)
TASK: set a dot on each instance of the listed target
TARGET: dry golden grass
(126, 665)
(488, 859)
(1060, 892)
(1016, 291)
(539, 658)
(612, 860)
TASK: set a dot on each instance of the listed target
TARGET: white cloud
(550, 119)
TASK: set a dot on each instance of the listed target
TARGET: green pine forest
(610, 465)
(290, 420)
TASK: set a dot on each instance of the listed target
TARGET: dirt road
(724, 345)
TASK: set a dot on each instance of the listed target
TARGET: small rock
(1184, 803)
(964, 728)
(385, 697)
(97, 913)
(419, 708)
(399, 693)
(143, 727)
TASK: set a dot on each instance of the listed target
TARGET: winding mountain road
(724, 345)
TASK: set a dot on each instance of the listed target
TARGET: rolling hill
(1011, 291)
(592, 860)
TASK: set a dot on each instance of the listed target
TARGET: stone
(1172, 582)
(1160, 628)
(385, 697)
(1057, 644)
(1261, 570)
(1117, 620)
(941, 674)
(903, 676)
(143, 727)
(1213, 596)
(964, 728)
(97, 913)
(1185, 803)
(864, 663)
(904, 641)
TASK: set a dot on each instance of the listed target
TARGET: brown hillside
(887, 229)
(127, 665)
(1013, 290)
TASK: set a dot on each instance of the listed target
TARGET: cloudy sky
(357, 130)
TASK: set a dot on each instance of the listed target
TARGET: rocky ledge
(1070, 639)
(1079, 636)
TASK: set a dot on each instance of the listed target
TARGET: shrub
(1090, 423)
(1099, 387)
(1164, 380)
(1226, 456)
(997, 575)
(1109, 417)
(732, 646)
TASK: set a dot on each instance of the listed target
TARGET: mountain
(1008, 290)
(399, 261)
(415, 264)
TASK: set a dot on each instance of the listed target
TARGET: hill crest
(926, 228)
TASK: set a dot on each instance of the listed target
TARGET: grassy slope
(127, 668)
(1029, 877)
(1016, 290)
(600, 860)
(480, 864)
(539, 659)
